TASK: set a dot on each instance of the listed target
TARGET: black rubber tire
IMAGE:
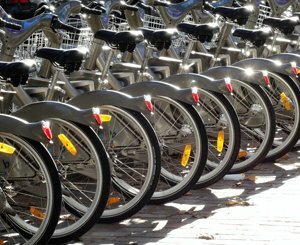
(55, 202)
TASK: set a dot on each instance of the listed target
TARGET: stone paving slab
(268, 213)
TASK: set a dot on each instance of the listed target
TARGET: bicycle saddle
(285, 25)
(257, 37)
(202, 32)
(70, 59)
(238, 14)
(123, 40)
(159, 38)
(17, 72)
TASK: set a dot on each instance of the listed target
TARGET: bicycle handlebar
(57, 24)
(95, 11)
(125, 6)
(4, 23)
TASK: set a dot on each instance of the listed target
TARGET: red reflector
(294, 68)
(96, 115)
(266, 77)
(228, 84)
(195, 94)
(47, 131)
(148, 102)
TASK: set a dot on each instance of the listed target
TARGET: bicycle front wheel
(135, 162)
(184, 145)
(224, 136)
(285, 97)
(83, 166)
(257, 120)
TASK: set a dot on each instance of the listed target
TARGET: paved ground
(264, 208)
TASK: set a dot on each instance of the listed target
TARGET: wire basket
(264, 12)
(156, 23)
(74, 40)
(38, 40)
(28, 49)
(116, 23)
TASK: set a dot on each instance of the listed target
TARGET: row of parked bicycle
(153, 99)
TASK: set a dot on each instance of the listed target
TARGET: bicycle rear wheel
(30, 185)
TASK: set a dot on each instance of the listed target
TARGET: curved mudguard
(189, 80)
(109, 97)
(260, 64)
(286, 57)
(158, 88)
(19, 127)
(50, 109)
(255, 77)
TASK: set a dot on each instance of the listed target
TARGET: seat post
(224, 33)
(107, 64)
(53, 83)
(186, 57)
(147, 55)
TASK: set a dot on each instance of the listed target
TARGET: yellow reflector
(105, 117)
(186, 155)
(6, 149)
(112, 200)
(285, 101)
(242, 154)
(67, 144)
(220, 141)
(37, 213)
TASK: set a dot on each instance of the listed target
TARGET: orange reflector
(37, 213)
(242, 154)
(67, 144)
(220, 141)
(7, 149)
(105, 117)
(186, 155)
(1, 242)
(285, 101)
(113, 200)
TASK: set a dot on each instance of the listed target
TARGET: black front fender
(202, 81)
(260, 64)
(158, 88)
(109, 97)
(236, 73)
(51, 109)
(286, 58)
(19, 127)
